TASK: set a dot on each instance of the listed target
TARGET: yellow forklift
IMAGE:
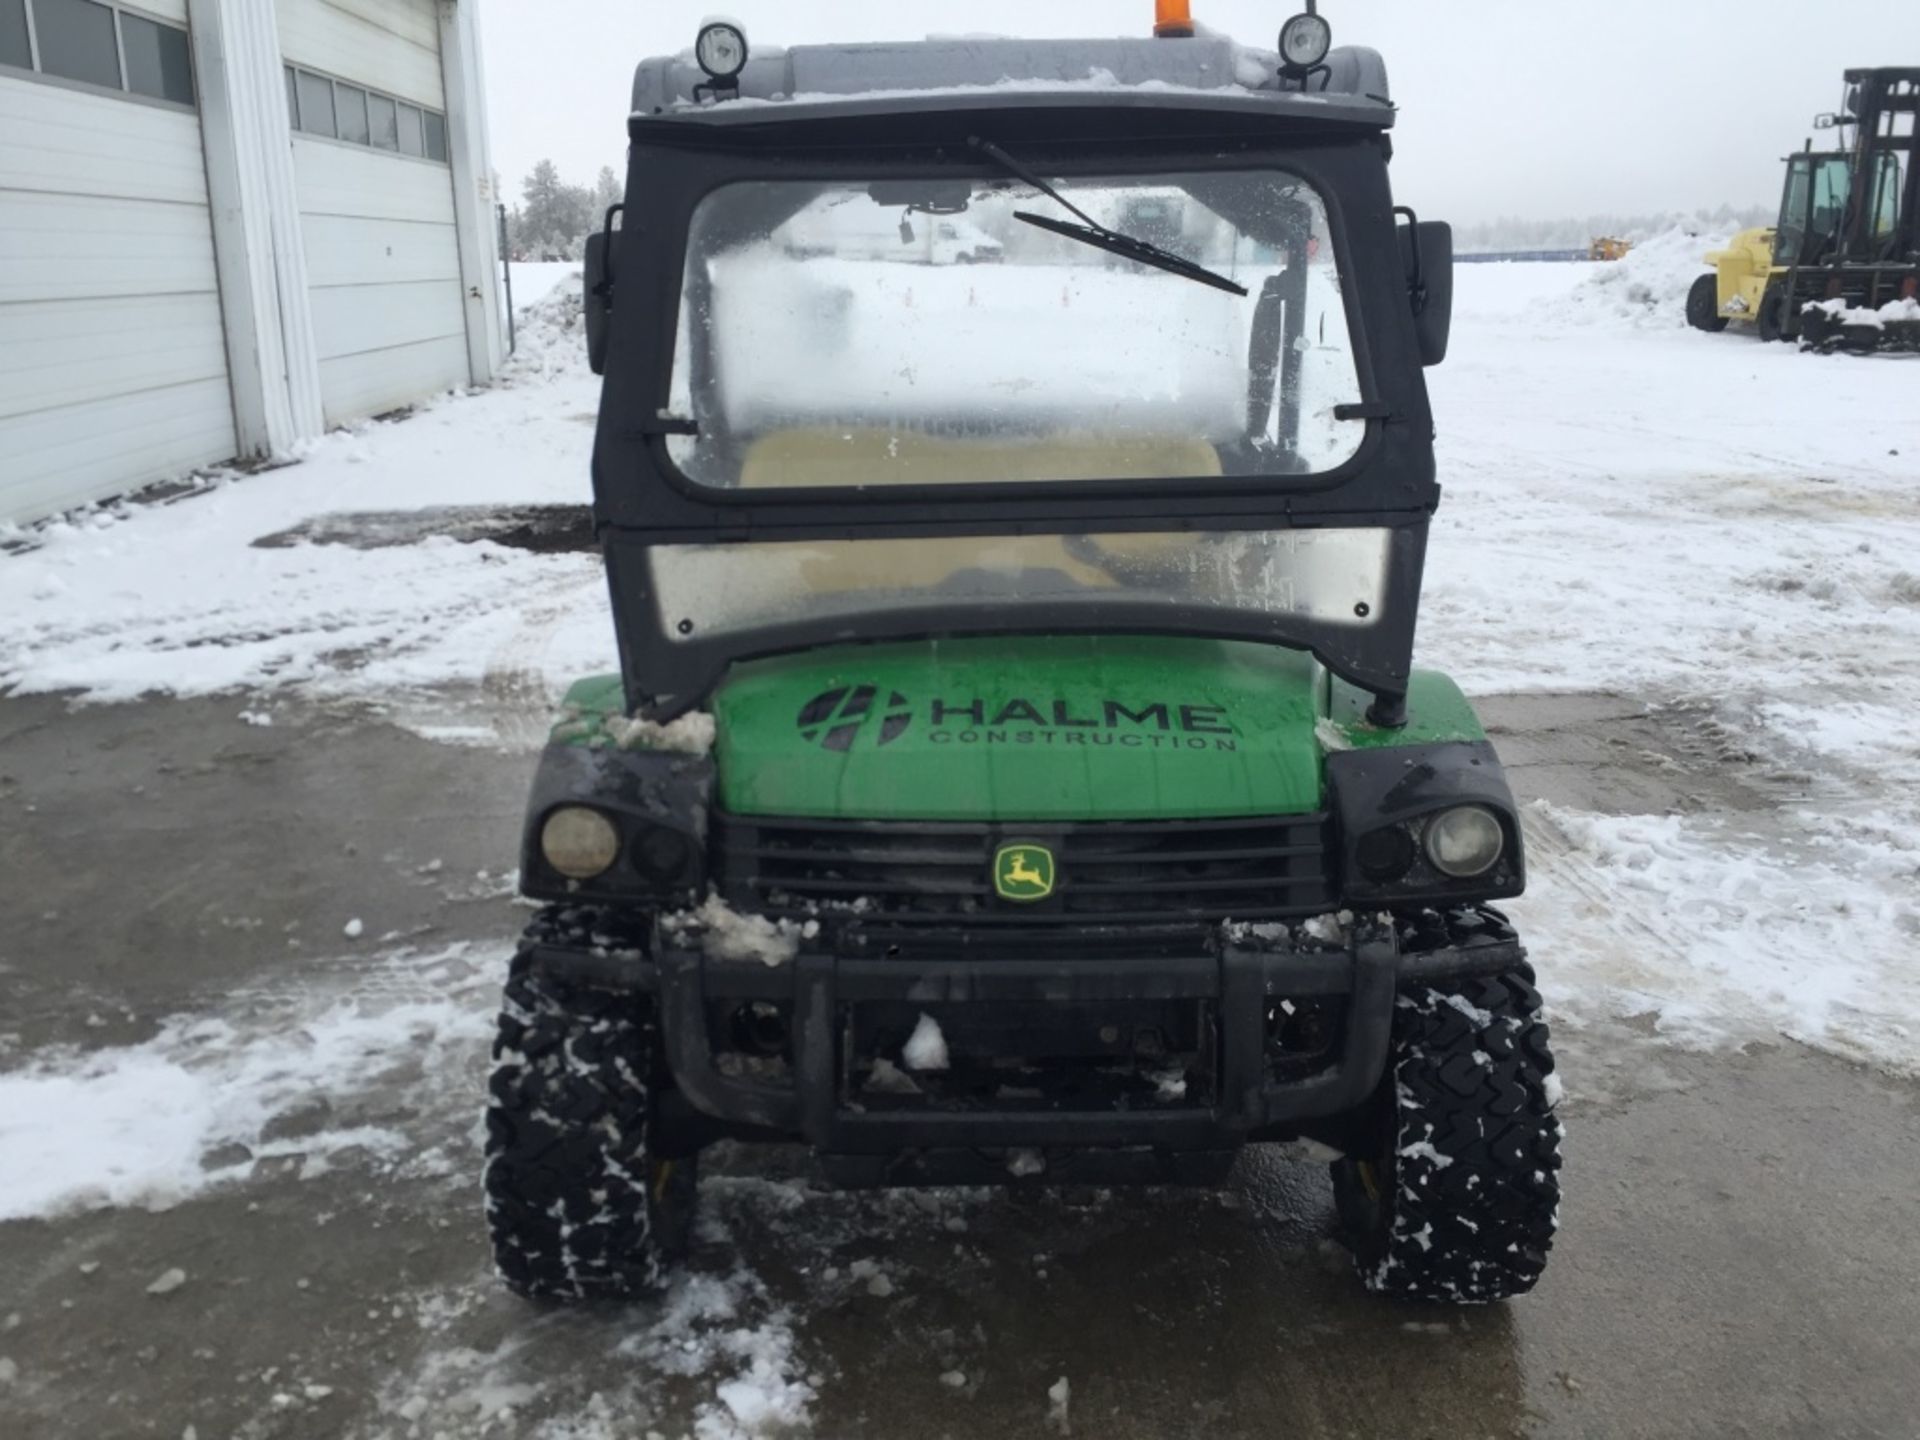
(1841, 267)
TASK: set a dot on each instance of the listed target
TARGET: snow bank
(537, 280)
(1647, 288)
(550, 330)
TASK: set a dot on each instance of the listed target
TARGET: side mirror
(1426, 253)
(598, 281)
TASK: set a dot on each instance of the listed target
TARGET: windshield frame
(642, 501)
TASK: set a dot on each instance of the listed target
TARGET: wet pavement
(1740, 1237)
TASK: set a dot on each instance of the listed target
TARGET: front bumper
(1236, 983)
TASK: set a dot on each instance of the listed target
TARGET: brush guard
(1248, 1081)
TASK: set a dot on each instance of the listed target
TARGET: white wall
(112, 364)
(382, 250)
(178, 288)
(383, 276)
(390, 45)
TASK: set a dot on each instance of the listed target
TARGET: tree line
(1576, 232)
(553, 219)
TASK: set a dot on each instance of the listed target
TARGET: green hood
(1068, 728)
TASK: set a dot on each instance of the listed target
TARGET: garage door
(376, 200)
(112, 362)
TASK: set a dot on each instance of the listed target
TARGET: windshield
(839, 334)
(1336, 578)
(1814, 208)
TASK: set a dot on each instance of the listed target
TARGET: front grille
(941, 875)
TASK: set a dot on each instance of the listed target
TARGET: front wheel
(1771, 321)
(1460, 1202)
(579, 1205)
(1703, 305)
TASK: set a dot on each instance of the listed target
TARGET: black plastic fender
(640, 791)
(1406, 786)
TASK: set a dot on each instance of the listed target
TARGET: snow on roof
(1209, 71)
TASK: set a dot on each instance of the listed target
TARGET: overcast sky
(1535, 108)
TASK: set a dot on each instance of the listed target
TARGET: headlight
(579, 843)
(1465, 841)
(721, 50)
(1305, 41)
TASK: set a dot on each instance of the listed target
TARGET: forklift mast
(1883, 106)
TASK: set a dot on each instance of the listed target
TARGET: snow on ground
(1637, 508)
(273, 1075)
(176, 599)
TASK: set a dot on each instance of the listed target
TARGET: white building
(227, 225)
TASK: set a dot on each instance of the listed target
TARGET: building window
(336, 110)
(385, 118)
(413, 133)
(98, 44)
(157, 60)
(15, 47)
(76, 41)
(316, 105)
(350, 107)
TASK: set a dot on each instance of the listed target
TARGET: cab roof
(1207, 73)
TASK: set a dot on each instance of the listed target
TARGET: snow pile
(550, 332)
(691, 734)
(926, 1048)
(1647, 288)
(536, 280)
(723, 933)
(715, 1351)
(705, 1328)
(152, 1124)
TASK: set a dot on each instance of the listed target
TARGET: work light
(721, 49)
(1304, 42)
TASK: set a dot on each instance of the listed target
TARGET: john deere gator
(1018, 772)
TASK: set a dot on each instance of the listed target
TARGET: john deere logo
(834, 720)
(1023, 873)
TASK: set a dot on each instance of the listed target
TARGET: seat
(872, 458)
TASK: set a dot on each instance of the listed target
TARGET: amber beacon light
(1173, 19)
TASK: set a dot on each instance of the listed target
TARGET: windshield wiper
(1097, 235)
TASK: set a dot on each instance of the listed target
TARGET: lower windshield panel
(1334, 577)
